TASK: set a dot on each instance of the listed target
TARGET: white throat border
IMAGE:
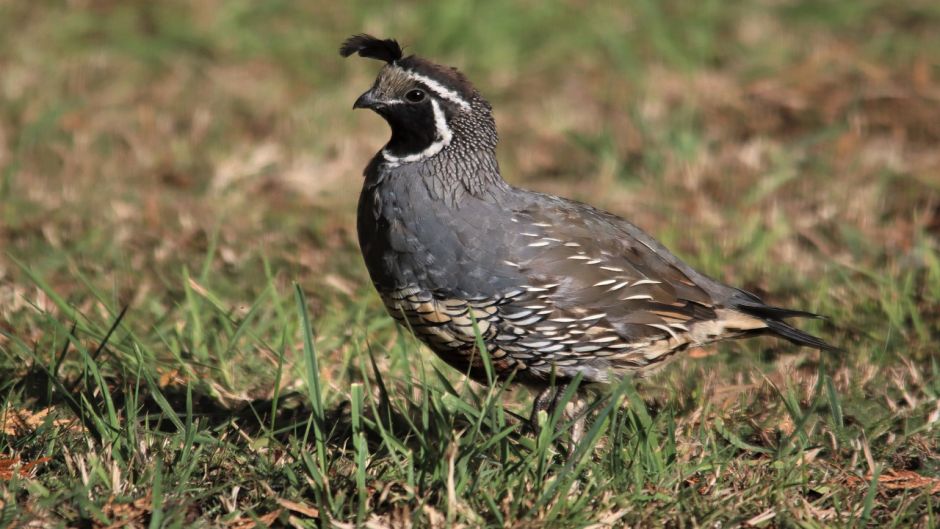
(442, 139)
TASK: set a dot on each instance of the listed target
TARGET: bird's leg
(575, 410)
(544, 401)
(548, 400)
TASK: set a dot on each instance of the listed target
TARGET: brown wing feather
(597, 266)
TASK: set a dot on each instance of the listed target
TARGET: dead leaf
(900, 480)
(172, 378)
(908, 479)
(15, 422)
(126, 514)
(809, 456)
(8, 467)
(761, 518)
(609, 520)
(302, 508)
(247, 522)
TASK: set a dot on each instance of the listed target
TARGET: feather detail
(799, 337)
(387, 50)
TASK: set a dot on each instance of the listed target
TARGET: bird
(556, 291)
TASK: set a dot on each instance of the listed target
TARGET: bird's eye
(415, 96)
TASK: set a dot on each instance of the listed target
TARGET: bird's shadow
(288, 418)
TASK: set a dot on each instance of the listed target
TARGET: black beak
(367, 100)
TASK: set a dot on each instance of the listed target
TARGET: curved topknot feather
(365, 45)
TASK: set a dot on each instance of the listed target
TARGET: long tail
(774, 316)
(794, 335)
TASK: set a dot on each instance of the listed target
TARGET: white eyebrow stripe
(444, 136)
(439, 89)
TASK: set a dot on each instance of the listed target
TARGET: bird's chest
(412, 239)
(402, 239)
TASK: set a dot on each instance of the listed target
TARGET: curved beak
(367, 100)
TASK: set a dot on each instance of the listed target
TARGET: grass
(188, 336)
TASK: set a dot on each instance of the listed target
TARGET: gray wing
(600, 295)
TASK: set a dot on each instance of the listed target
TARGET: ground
(188, 336)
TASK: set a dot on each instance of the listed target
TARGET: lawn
(188, 336)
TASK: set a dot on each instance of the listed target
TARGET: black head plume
(386, 50)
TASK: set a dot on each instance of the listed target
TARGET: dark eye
(415, 96)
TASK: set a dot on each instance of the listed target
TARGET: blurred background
(773, 143)
(193, 160)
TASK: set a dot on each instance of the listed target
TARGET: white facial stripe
(442, 91)
(442, 139)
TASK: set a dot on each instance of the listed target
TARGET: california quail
(555, 288)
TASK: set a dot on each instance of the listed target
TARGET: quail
(556, 289)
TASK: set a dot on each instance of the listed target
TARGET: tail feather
(794, 335)
(769, 311)
(773, 316)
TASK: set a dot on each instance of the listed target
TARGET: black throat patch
(413, 129)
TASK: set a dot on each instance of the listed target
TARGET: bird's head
(429, 107)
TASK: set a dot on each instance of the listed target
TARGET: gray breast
(411, 236)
